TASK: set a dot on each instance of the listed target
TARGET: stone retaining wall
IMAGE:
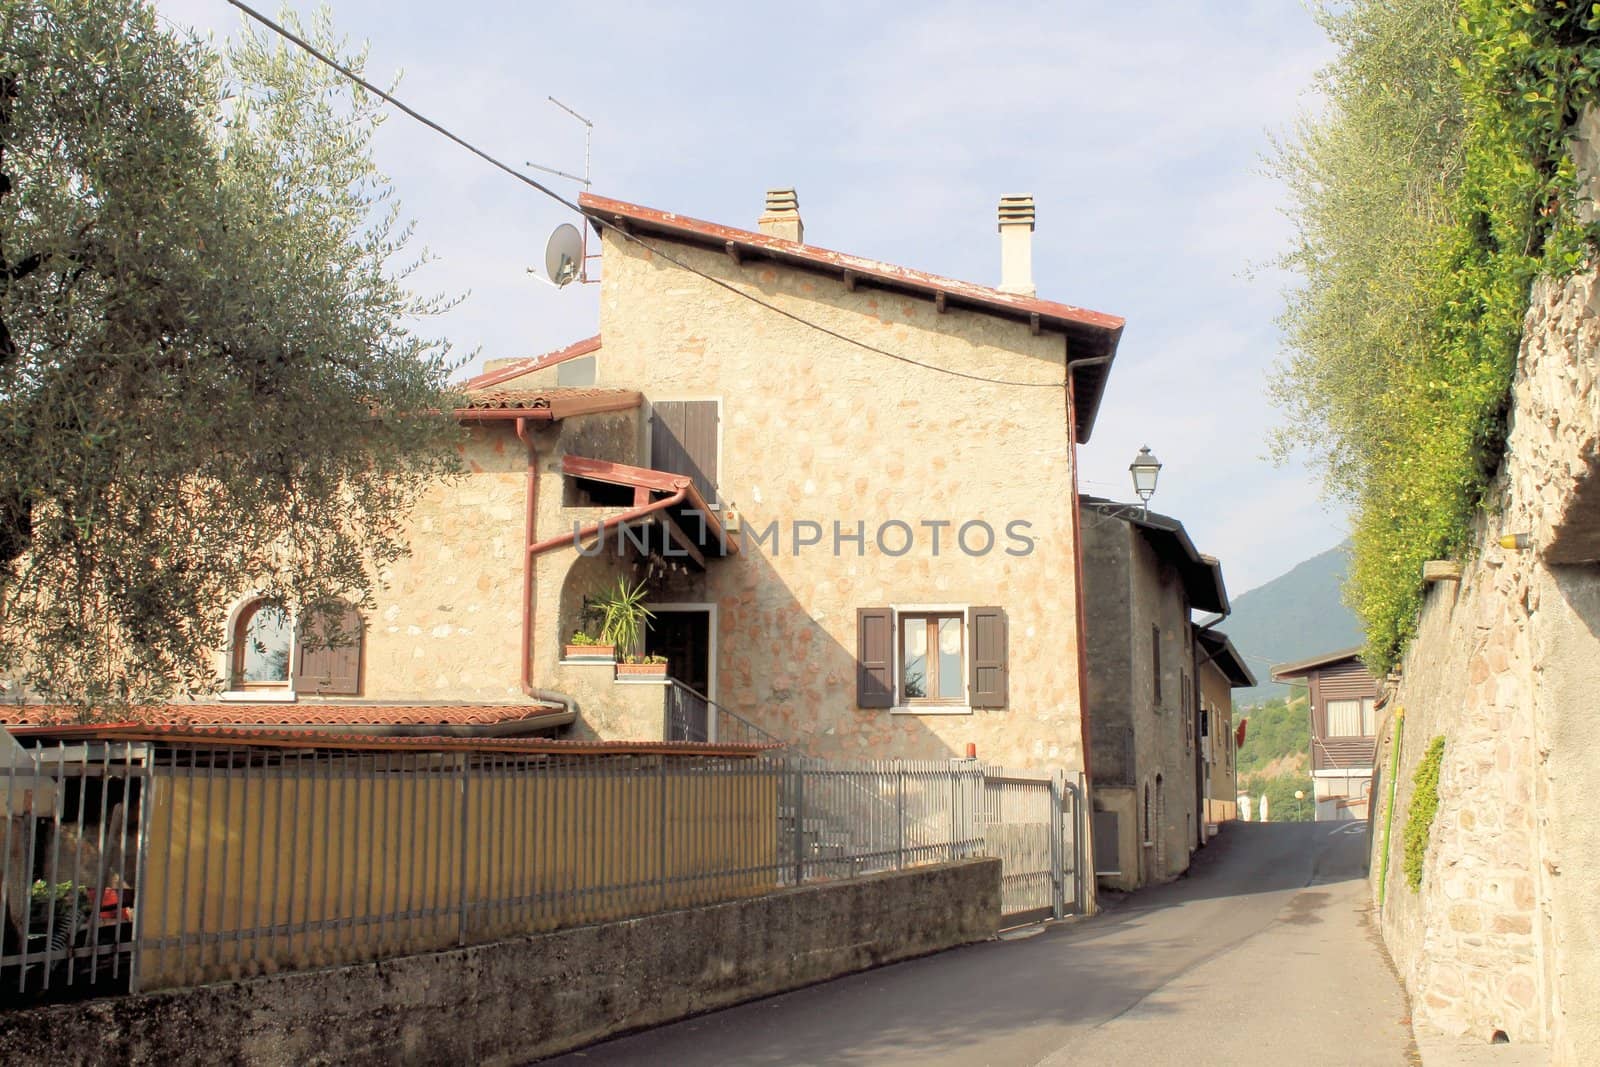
(1504, 934)
(517, 1001)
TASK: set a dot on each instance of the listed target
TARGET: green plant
(1424, 806)
(582, 639)
(623, 616)
(1434, 189)
(213, 375)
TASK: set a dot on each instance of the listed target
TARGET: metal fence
(68, 868)
(1032, 823)
(216, 863)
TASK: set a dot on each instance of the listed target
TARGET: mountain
(1294, 616)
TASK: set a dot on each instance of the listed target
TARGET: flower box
(597, 653)
(641, 670)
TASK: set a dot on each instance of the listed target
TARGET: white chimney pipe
(1016, 245)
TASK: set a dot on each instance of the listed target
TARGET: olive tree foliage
(210, 379)
(1433, 189)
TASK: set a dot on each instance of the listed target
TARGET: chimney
(1016, 245)
(782, 217)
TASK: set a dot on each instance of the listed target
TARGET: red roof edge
(532, 363)
(1092, 336)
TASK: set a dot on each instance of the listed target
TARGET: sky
(1141, 130)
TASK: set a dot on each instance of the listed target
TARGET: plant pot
(641, 670)
(601, 653)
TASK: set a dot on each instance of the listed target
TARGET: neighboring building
(1221, 670)
(1142, 579)
(1343, 699)
(843, 544)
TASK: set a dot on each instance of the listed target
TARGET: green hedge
(1435, 189)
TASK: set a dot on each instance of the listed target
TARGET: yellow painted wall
(331, 862)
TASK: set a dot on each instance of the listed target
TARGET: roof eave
(1089, 335)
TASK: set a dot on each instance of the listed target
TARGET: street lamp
(1299, 795)
(1145, 468)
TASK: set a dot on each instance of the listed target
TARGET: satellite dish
(563, 254)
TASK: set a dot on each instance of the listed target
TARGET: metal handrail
(748, 731)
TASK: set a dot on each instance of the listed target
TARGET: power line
(539, 186)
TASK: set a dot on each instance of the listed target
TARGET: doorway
(686, 635)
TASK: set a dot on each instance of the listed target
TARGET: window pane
(1344, 718)
(1369, 725)
(266, 637)
(914, 658)
(950, 659)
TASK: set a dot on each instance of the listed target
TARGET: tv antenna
(566, 254)
(588, 130)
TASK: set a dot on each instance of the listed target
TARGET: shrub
(1424, 806)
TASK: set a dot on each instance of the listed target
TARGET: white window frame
(900, 707)
(266, 694)
(1327, 717)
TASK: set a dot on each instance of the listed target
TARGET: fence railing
(69, 862)
(693, 716)
(217, 863)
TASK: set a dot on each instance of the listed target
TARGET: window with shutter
(990, 663)
(328, 653)
(874, 658)
(683, 440)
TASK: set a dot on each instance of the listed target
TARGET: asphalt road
(1261, 955)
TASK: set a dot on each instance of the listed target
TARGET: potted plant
(643, 667)
(584, 646)
(623, 617)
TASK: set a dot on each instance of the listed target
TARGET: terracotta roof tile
(244, 713)
(550, 403)
(267, 737)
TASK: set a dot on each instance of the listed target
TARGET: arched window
(318, 653)
(263, 639)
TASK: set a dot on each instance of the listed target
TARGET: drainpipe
(593, 528)
(530, 525)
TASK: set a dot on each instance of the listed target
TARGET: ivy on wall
(1434, 190)
(1424, 806)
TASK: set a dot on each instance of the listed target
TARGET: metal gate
(1031, 823)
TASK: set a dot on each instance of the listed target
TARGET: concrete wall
(516, 1001)
(1139, 743)
(1505, 931)
(817, 429)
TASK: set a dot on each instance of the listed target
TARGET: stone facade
(816, 429)
(1143, 755)
(1504, 933)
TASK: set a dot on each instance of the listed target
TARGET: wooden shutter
(329, 670)
(683, 440)
(990, 664)
(874, 658)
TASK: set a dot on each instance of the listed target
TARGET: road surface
(1261, 955)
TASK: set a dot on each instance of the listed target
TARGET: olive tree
(210, 376)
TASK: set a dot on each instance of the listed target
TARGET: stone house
(1343, 697)
(1143, 578)
(848, 487)
(1220, 669)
